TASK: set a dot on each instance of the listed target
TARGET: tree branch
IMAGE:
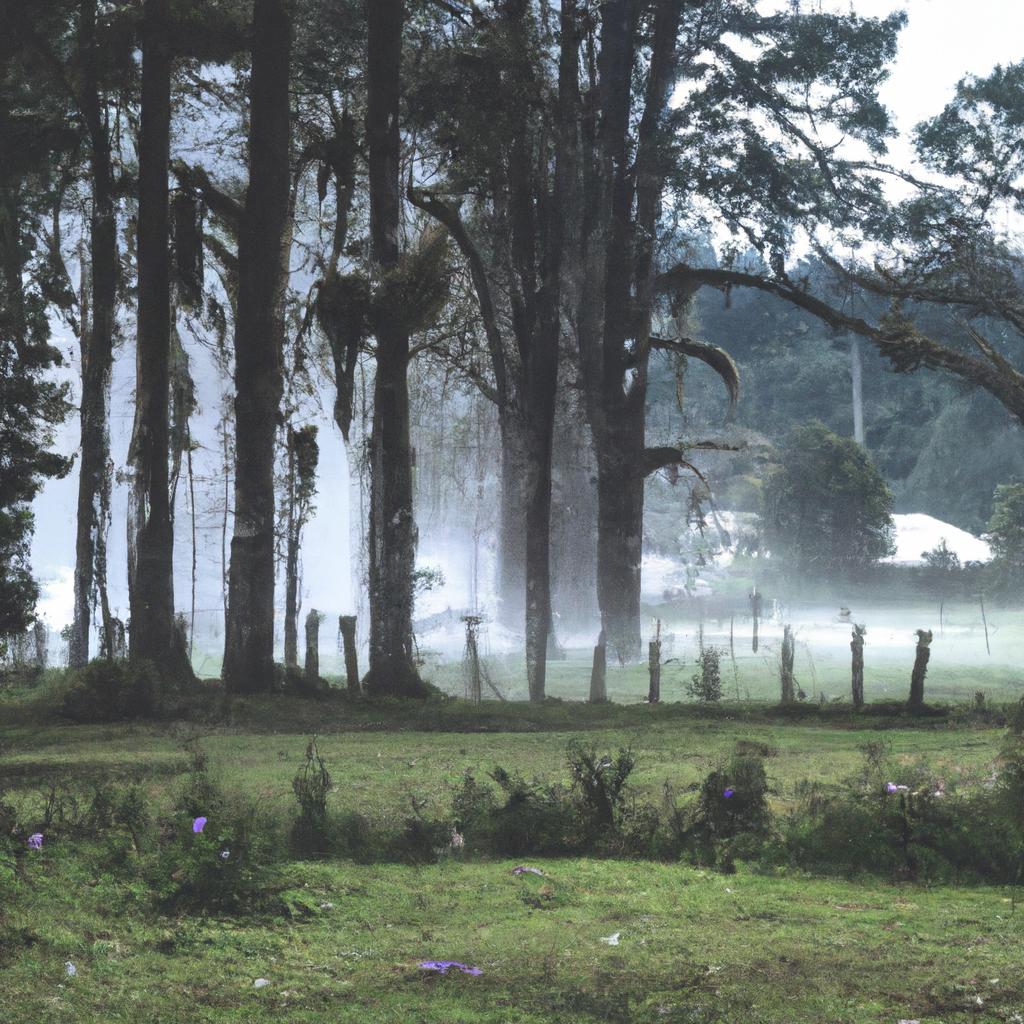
(225, 207)
(718, 359)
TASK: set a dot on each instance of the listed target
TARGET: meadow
(338, 939)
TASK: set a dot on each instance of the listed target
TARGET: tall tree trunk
(620, 519)
(512, 524)
(97, 346)
(857, 381)
(392, 530)
(921, 657)
(857, 666)
(150, 531)
(259, 335)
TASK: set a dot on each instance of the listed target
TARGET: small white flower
(612, 940)
(224, 854)
(326, 906)
(260, 983)
(70, 969)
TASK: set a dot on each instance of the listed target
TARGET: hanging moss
(187, 226)
(343, 312)
(414, 292)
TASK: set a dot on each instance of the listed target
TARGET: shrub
(732, 816)
(312, 783)
(600, 783)
(473, 807)
(111, 691)
(535, 818)
(706, 685)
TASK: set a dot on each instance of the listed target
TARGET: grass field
(694, 946)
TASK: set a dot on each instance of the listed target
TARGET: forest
(630, 381)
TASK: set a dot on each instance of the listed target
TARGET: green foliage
(111, 691)
(311, 785)
(732, 817)
(1006, 528)
(600, 783)
(706, 684)
(826, 507)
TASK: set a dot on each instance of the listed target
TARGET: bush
(706, 685)
(600, 784)
(112, 691)
(312, 783)
(732, 817)
(535, 818)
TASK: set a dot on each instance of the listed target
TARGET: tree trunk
(347, 628)
(654, 671)
(856, 376)
(392, 530)
(786, 671)
(857, 670)
(97, 351)
(619, 547)
(541, 419)
(923, 653)
(150, 531)
(598, 673)
(259, 334)
(311, 670)
(511, 581)
(291, 567)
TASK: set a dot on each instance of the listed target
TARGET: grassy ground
(693, 947)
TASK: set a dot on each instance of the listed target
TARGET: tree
(392, 532)
(153, 633)
(31, 403)
(263, 244)
(507, 131)
(826, 508)
(743, 142)
(303, 454)
(1006, 528)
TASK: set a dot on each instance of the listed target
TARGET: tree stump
(347, 628)
(311, 672)
(924, 652)
(786, 672)
(598, 692)
(857, 670)
(654, 669)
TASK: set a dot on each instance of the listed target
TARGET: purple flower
(198, 825)
(35, 841)
(522, 870)
(443, 966)
(728, 793)
(892, 787)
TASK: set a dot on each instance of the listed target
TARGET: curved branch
(226, 207)
(664, 456)
(449, 217)
(717, 358)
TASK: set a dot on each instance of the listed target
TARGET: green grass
(694, 947)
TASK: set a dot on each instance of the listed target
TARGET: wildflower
(892, 787)
(260, 983)
(443, 966)
(224, 854)
(458, 841)
(612, 940)
(70, 969)
(522, 870)
(35, 841)
(728, 793)
(198, 825)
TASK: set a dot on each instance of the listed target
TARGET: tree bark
(150, 530)
(598, 672)
(311, 669)
(259, 334)
(512, 525)
(923, 653)
(97, 346)
(347, 628)
(786, 671)
(620, 515)
(857, 666)
(392, 530)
